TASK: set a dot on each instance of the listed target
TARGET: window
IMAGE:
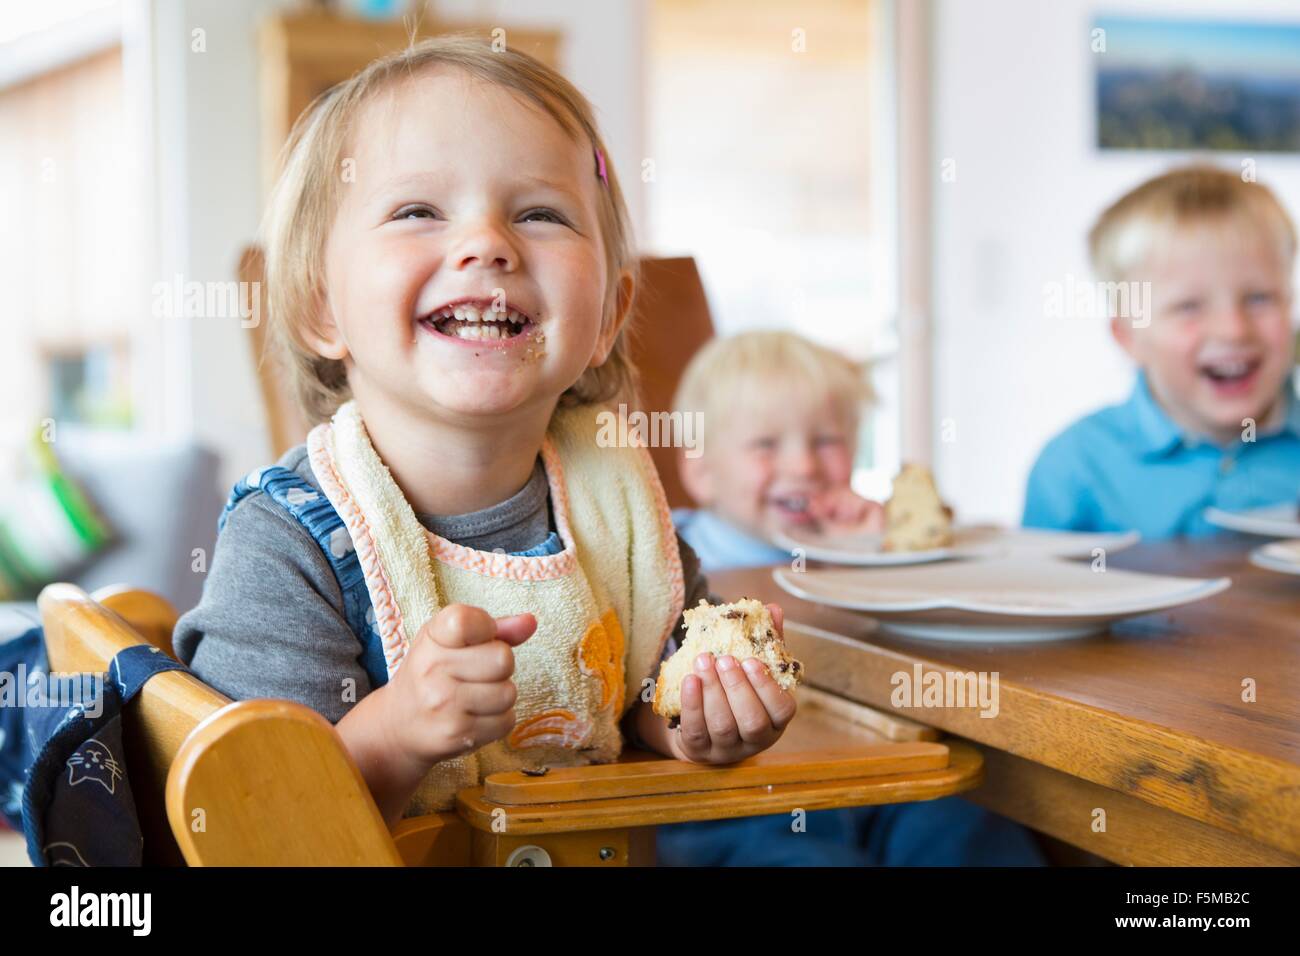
(74, 238)
(765, 162)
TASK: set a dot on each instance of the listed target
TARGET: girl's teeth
(479, 331)
(468, 322)
(470, 313)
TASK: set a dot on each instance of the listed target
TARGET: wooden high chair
(270, 783)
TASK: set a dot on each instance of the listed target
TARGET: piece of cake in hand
(916, 519)
(742, 629)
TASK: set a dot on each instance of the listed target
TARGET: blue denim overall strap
(315, 513)
(77, 806)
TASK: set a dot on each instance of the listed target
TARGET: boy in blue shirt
(782, 416)
(1213, 420)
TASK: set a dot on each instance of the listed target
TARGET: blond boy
(781, 419)
(1213, 419)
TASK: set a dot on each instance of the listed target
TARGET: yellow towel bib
(604, 605)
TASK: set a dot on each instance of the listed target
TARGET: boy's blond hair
(1125, 233)
(720, 373)
(308, 193)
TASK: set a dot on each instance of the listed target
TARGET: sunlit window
(760, 165)
(74, 236)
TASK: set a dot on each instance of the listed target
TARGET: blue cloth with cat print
(19, 656)
(62, 761)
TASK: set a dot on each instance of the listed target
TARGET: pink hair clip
(600, 166)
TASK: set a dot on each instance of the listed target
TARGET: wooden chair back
(671, 321)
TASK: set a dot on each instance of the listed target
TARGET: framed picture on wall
(1167, 84)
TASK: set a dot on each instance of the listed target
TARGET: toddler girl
(452, 570)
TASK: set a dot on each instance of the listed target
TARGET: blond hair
(719, 373)
(308, 193)
(1125, 233)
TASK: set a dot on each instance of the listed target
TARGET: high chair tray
(644, 778)
(963, 771)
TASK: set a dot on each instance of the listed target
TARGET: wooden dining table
(1171, 739)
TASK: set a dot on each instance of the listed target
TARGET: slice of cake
(743, 629)
(915, 517)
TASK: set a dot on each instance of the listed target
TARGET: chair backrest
(670, 324)
(286, 426)
(193, 757)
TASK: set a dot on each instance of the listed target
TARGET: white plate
(1273, 521)
(1001, 600)
(862, 550)
(969, 541)
(1283, 556)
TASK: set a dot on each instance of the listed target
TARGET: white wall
(207, 157)
(1013, 106)
(602, 54)
(208, 196)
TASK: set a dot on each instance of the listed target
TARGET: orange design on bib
(600, 655)
(552, 728)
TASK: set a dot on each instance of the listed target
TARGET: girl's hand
(842, 511)
(732, 710)
(453, 692)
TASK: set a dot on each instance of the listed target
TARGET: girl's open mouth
(472, 323)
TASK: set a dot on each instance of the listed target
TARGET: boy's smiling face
(1219, 344)
(464, 196)
(777, 450)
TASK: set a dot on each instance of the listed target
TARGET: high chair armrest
(270, 783)
(150, 614)
(657, 777)
(920, 771)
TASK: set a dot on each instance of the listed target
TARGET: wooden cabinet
(304, 54)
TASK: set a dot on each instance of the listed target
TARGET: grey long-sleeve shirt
(271, 621)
